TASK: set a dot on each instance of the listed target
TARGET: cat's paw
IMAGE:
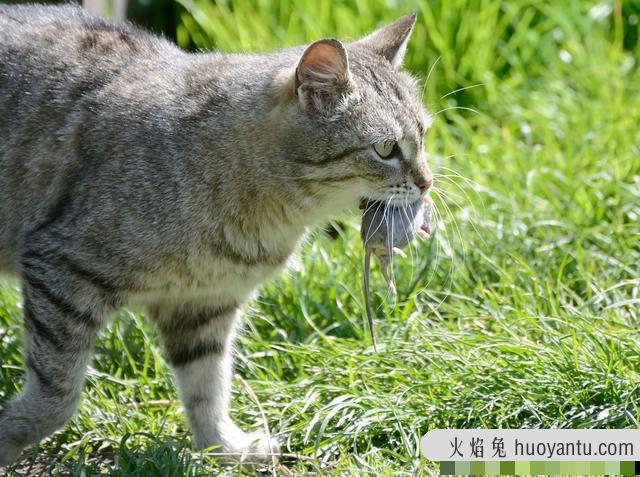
(250, 449)
(261, 449)
(230, 444)
(8, 453)
(253, 449)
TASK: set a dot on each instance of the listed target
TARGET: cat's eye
(384, 149)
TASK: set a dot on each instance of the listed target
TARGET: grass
(522, 311)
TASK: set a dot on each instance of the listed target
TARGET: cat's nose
(422, 176)
(424, 183)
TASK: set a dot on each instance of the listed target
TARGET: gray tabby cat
(132, 172)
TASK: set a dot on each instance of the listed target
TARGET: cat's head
(359, 122)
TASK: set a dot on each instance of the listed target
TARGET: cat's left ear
(322, 75)
(391, 40)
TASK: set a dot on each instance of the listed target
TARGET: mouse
(386, 229)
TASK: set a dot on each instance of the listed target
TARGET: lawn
(521, 311)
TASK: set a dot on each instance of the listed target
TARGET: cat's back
(54, 58)
(51, 46)
(48, 32)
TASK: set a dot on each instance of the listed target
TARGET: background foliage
(523, 309)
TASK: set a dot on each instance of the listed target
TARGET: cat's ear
(391, 40)
(322, 75)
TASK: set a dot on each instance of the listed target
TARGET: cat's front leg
(198, 340)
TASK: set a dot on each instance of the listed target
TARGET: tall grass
(523, 309)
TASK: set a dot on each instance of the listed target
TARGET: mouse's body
(385, 230)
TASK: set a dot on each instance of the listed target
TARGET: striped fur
(134, 173)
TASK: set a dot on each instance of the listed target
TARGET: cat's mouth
(395, 200)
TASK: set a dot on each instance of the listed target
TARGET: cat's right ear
(322, 75)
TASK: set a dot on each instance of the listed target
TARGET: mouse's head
(387, 227)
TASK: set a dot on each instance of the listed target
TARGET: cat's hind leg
(198, 341)
(58, 341)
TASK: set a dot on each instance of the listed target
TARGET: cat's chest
(214, 271)
(210, 281)
(232, 273)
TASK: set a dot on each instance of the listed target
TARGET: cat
(134, 173)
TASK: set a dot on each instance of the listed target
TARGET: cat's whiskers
(439, 253)
(410, 242)
(372, 232)
(456, 233)
(443, 197)
(455, 224)
(436, 225)
(455, 173)
(463, 108)
(473, 186)
(370, 205)
(462, 89)
(426, 81)
(390, 241)
(435, 221)
(449, 194)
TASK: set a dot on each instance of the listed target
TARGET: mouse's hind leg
(385, 267)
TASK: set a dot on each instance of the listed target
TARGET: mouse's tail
(367, 298)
